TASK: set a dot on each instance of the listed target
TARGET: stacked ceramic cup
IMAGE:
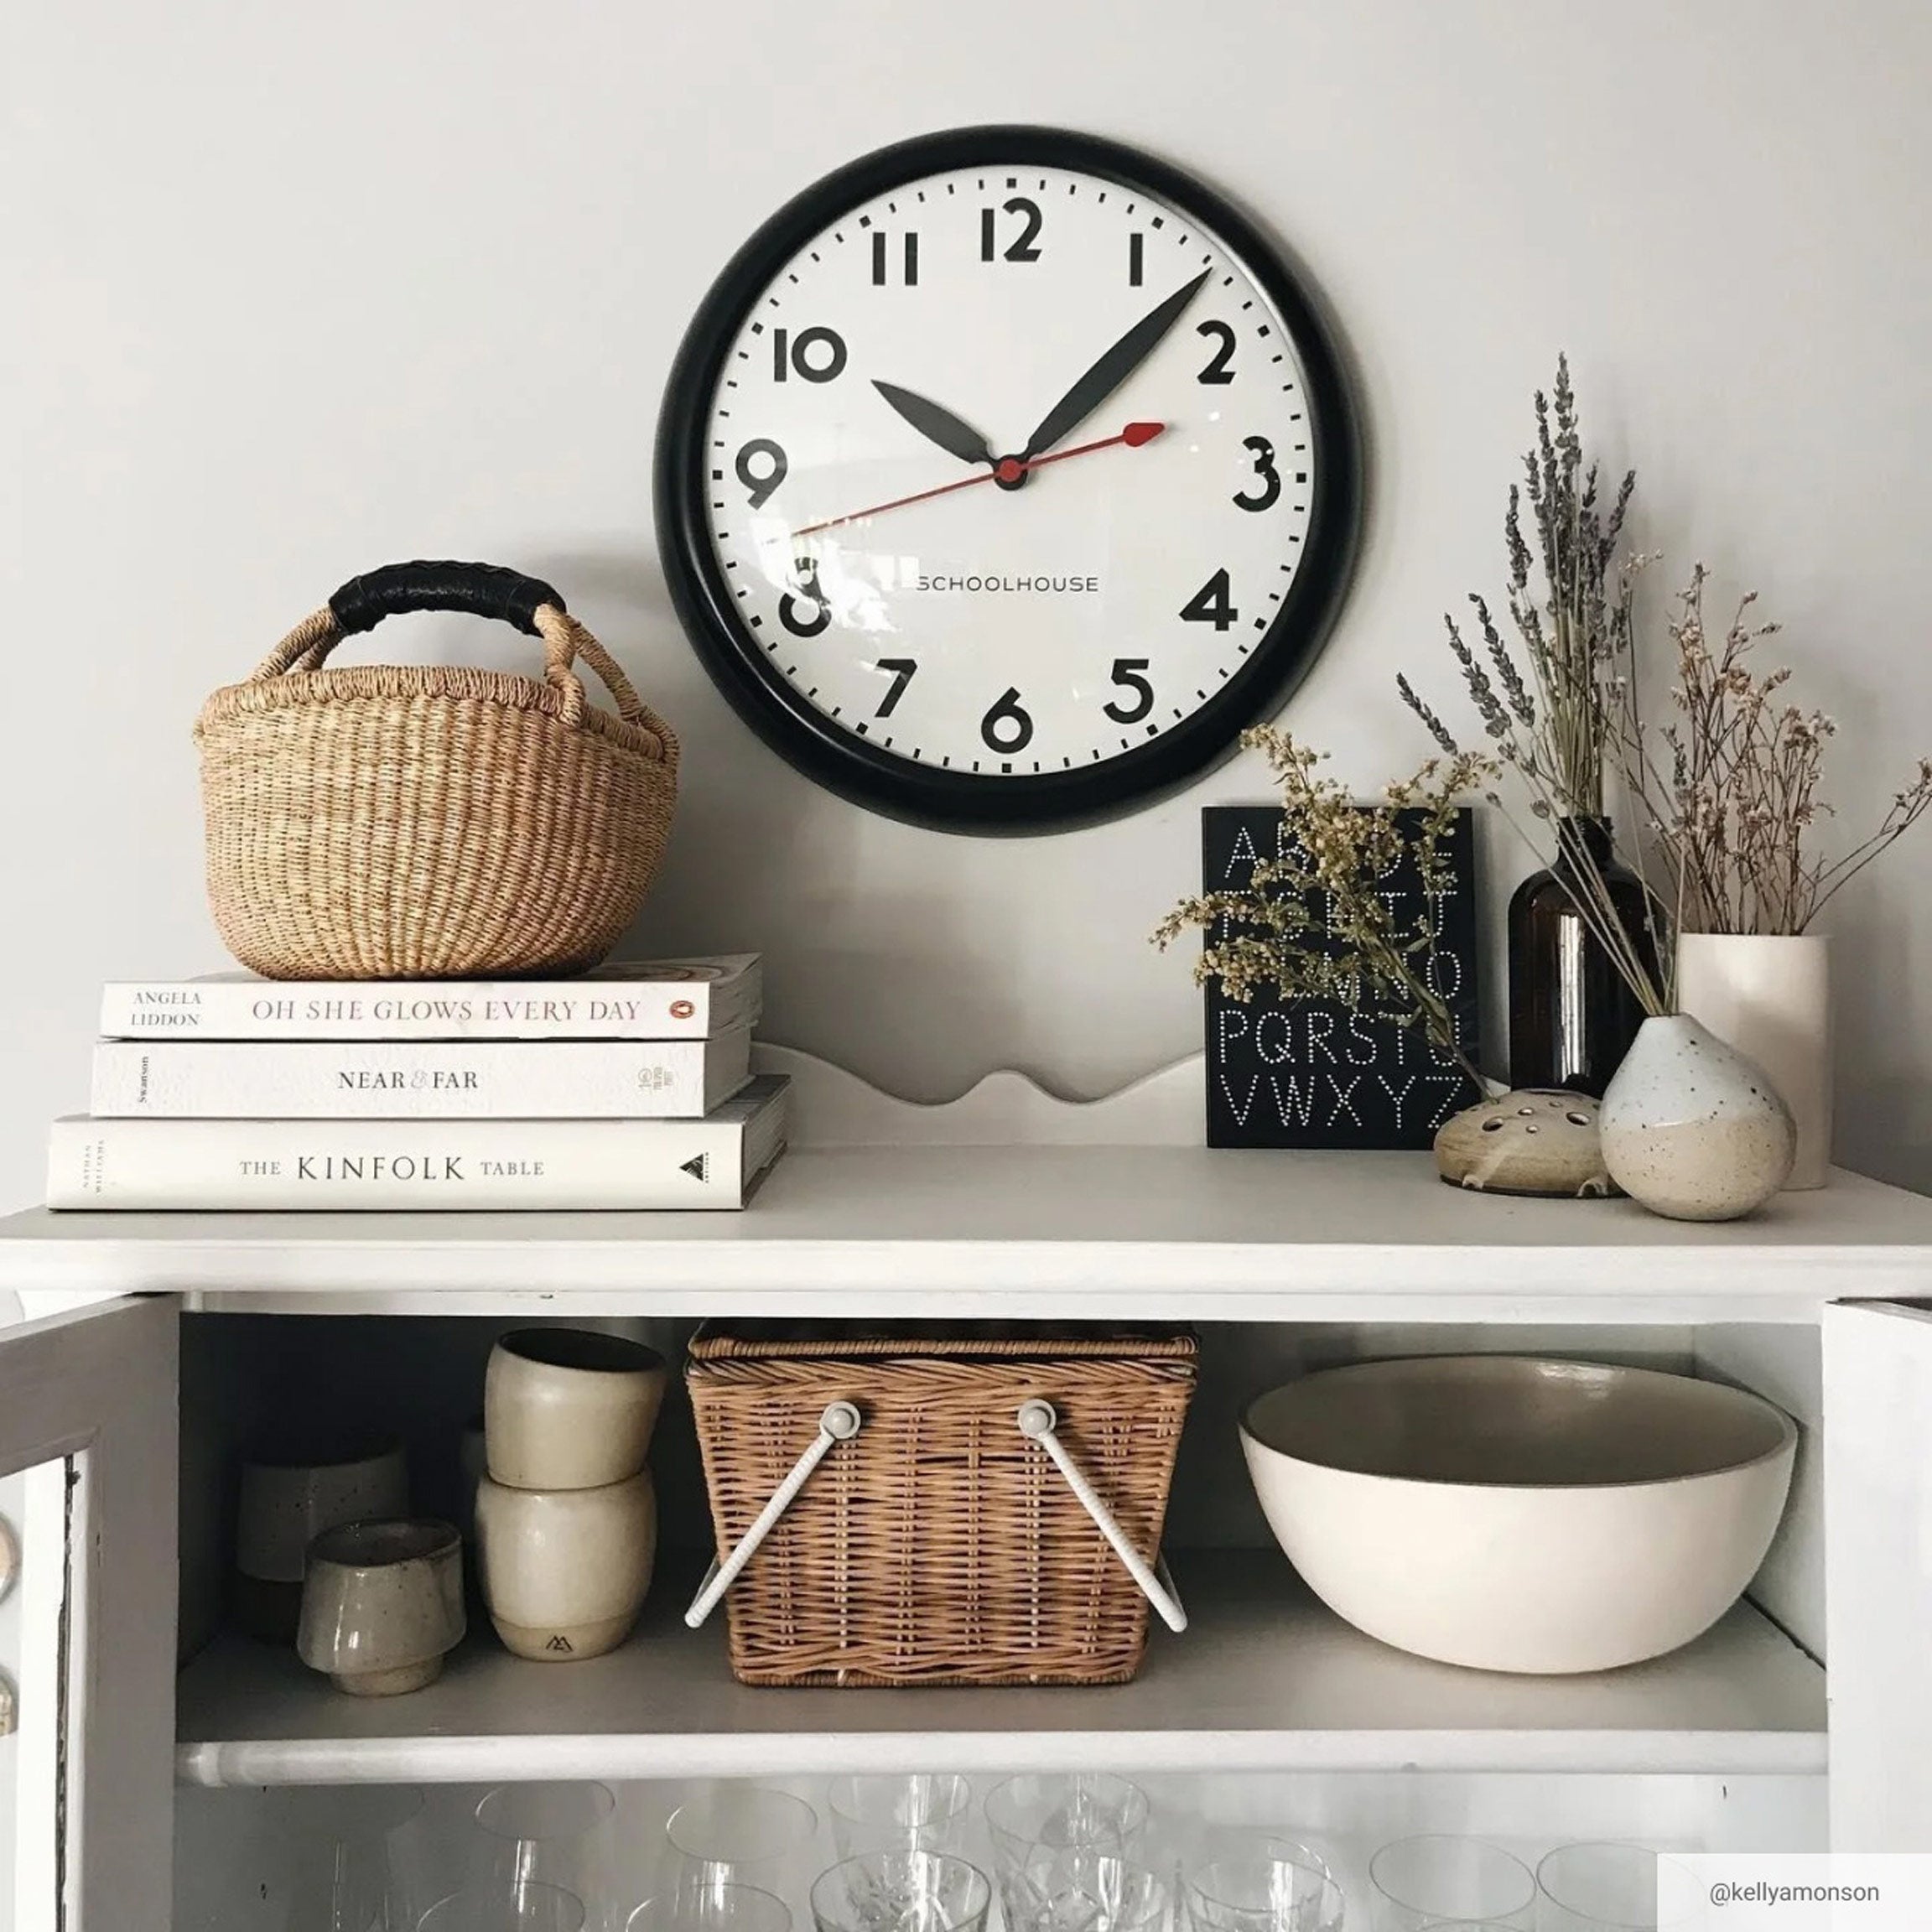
(382, 1604)
(291, 1490)
(567, 1516)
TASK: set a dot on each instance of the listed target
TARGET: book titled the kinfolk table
(276, 1165)
(652, 1000)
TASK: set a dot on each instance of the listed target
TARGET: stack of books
(630, 1087)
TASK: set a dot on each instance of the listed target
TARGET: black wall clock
(1004, 476)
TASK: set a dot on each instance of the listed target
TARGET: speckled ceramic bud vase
(1690, 1127)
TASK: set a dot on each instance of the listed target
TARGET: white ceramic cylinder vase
(1769, 995)
(1691, 1128)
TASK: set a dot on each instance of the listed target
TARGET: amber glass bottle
(1572, 1015)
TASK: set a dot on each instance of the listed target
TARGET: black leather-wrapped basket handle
(481, 589)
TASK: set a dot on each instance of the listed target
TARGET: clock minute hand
(937, 425)
(1111, 371)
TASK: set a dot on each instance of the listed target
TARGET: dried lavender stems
(1573, 621)
(1555, 724)
(1587, 606)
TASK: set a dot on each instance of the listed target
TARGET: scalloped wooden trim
(833, 1108)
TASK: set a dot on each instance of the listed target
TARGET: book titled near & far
(419, 1079)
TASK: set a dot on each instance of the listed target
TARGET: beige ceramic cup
(382, 1603)
(569, 1408)
(290, 1494)
(565, 1571)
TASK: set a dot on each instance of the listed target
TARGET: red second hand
(1010, 469)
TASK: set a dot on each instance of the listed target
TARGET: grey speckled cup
(381, 1602)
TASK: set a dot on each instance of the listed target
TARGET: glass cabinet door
(87, 1596)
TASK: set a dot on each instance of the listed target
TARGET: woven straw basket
(386, 822)
(901, 1507)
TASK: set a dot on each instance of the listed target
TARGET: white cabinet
(1285, 1259)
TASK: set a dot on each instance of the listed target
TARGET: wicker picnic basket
(389, 822)
(900, 1504)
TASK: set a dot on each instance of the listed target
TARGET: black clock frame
(946, 800)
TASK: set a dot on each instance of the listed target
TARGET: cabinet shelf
(1061, 1232)
(1267, 1678)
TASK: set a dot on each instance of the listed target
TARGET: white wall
(303, 290)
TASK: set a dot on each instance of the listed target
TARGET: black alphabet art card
(1308, 1071)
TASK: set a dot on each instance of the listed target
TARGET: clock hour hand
(938, 425)
(1111, 371)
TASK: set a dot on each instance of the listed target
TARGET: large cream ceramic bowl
(1517, 1514)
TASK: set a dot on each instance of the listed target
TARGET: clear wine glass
(1605, 1888)
(923, 1811)
(901, 1892)
(1219, 1843)
(1422, 1881)
(559, 1835)
(1051, 1833)
(738, 1834)
(362, 1861)
(1264, 1890)
(712, 1909)
(507, 1906)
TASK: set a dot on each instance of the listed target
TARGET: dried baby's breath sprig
(1314, 921)
(1731, 799)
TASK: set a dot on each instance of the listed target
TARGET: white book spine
(707, 995)
(446, 1080)
(287, 1165)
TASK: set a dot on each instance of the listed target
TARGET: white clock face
(1009, 471)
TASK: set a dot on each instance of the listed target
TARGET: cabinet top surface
(1086, 1226)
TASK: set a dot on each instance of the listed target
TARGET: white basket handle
(1037, 1421)
(840, 1422)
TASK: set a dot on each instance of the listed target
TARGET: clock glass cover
(1004, 477)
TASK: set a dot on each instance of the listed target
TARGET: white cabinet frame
(99, 1387)
(1879, 1570)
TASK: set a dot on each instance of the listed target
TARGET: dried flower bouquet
(1313, 922)
(1730, 802)
(1727, 794)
